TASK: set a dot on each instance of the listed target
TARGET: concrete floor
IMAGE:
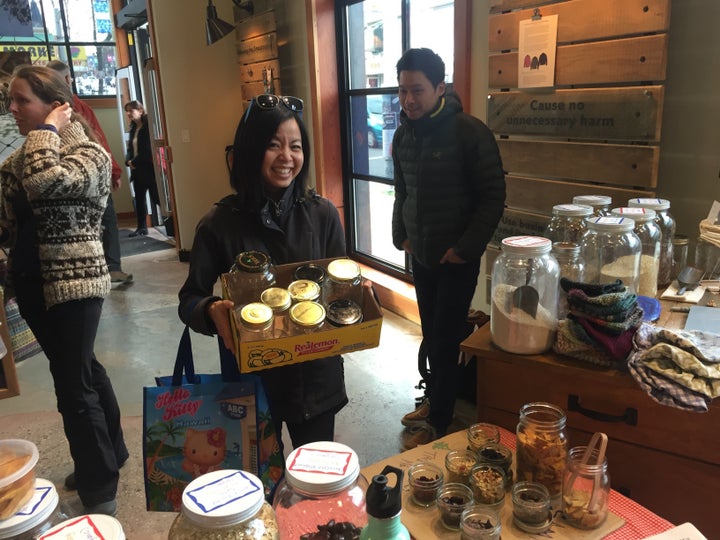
(137, 340)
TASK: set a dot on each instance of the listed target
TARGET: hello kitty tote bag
(195, 424)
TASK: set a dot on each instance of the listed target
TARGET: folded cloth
(631, 320)
(569, 345)
(592, 289)
(615, 306)
(664, 391)
(617, 346)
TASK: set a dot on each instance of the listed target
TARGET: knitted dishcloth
(567, 344)
(614, 307)
(592, 289)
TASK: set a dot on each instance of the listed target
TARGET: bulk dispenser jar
(323, 490)
(612, 251)
(649, 234)
(600, 203)
(667, 228)
(567, 223)
(524, 290)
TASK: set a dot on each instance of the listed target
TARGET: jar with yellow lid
(227, 504)
(302, 290)
(278, 299)
(343, 282)
(256, 321)
(306, 317)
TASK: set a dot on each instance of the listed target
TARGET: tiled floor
(138, 339)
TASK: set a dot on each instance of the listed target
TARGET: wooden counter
(664, 458)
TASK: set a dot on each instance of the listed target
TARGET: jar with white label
(36, 516)
(667, 229)
(600, 203)
(567, 223)
(323, 490)
(228, 504)
(649, 234)
(612, 251)
(102, 526)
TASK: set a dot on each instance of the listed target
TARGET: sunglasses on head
(271, 101)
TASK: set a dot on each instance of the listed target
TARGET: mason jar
(612, 251)
(572, 267)
(306, 317)
(278, 299)
(531, 507)
(342, 282)
(567, 223)
(650, 239)
(256, 321)
(251, 273)
(304, 289)
(667, 229)
(480, 522)
(524, 295)
(586, 489)
(600, 203)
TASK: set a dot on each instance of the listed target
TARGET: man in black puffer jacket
(449, 198)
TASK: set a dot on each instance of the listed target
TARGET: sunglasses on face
(270, 101)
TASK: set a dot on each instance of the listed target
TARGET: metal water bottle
(384, 505)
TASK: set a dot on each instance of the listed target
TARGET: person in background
(110, 235)
(139, 158)
(274, 211)
(449, 198)
(53, 191)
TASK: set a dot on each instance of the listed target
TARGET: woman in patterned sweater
(53, 191)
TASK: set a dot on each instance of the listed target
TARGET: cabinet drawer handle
(630, 417)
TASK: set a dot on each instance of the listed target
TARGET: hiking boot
(418, 435)
(108, 508)
(138, 232)
(418, 416)
(118, 276)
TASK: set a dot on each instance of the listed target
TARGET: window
(374, 35)
(78, 32)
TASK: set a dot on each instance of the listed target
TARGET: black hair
(252, 137)
(424, 60)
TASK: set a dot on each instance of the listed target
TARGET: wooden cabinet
(666, 459)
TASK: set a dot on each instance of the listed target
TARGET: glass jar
(322, 484)
(458, 464)
(452, 500)
(256, 321)
(342, 282)
(35, 517)
(586, 490)
(424, 479)
(313, 272)
(599, 203)
(650, 239)
(278, 299)
(479, 522)
(567, 223)
(227, 504)
(707, 257)
(488, 485)
(306, 318)
(531, 507)
(302, 290)
(667, 229)
(251, 273)
(612, 251)
(681, 244)
(542, 446)
(524, 267)
(572, 267)
(343, 312)
(478, 435)
(499, 455)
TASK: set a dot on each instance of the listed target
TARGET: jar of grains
(600, 203)
(542, 447)
(649, 234)
(572, 267)
(567, 223)
(524, 277)
(323, 490)
(667, 228)
(586, 489)
(612, 251)
(228, 504)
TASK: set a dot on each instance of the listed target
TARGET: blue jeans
(444, 294)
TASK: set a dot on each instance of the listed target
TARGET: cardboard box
(330, 341)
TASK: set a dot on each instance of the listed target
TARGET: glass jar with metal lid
(278, 299)
(313, 272)
(256, 321)
(524, 291)
(567, 223)
(251, 273)
(304, 289)
(600, 203)
(322, 484)
(667, 229)
(306, 317)
(572, 267)
(343, 312)
(612, 251)
(228, 504)
(649, 234)
(342, 282)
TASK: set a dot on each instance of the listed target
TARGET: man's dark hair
(424, 60)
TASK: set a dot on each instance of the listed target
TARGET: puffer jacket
(311, 230)
(449, 184)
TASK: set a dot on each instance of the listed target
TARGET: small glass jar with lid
(480, 434)
(452, 500)
(278, 299)
(612, 251)
(311, 271)
(542, 447)
(499, 455)
(531, 507)
(524, 291)
(228, 504)
(302, 290)
(342, 282)
(322, 484)
(666, 222)
(306, 317)
(256, 321)
(586, 489)
(479, 522)
(650, 238)
(424, 478)
(343, 312)
(37, 516)
(488, 485)
(567, 223)
(458, 464)
(599, 203)
(572, 267)
(251, 273)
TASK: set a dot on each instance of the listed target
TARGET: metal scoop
(526, 297)
(689, 278)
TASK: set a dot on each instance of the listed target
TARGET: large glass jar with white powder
(667, 228)
(612, 251)
(650, 236)
(524, 290)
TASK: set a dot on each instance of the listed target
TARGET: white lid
(88, 527)
(572, 210)
(322, 468)
(526, 245)
(654, 204)
(40, 506)
(636, 213)
(344, 269)
(222, 498)
(611, 224)
(592, 200)
(21, 447)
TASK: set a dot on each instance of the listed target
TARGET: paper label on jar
(529, 241)
(40, 494)
(320, 461)
(222, 491)
(636, 210)
(605, 220)
(84, 527)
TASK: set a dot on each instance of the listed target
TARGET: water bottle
(384, 506)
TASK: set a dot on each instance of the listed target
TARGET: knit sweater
(67, 181)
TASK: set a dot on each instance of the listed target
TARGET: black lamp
(215, 27)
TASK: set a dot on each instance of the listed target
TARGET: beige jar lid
(304, 289)
(277, 298)
(307, 314)
(256, 315)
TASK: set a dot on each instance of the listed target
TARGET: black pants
(85, 397)
(444, 294)
(141, 187)
(111, 237)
